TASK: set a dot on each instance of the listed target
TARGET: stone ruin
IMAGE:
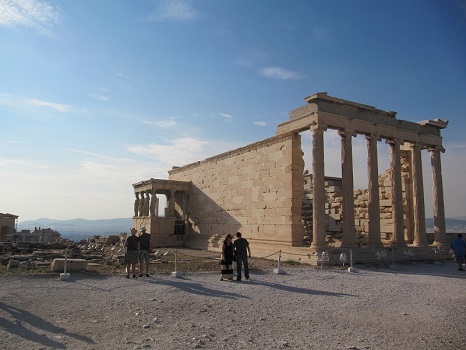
(262, 189)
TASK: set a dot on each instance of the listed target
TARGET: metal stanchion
(65, 276)
(351, 268)
(176, 273)
(278, 270)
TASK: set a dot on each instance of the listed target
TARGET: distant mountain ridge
(77, 229)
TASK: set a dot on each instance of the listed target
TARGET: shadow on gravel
(22, 317)
(448, 269)
(185, 285)
(297, 289)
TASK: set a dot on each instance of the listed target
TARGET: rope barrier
(383, 255)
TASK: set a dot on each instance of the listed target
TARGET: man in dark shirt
(459, 247)
(242, 252)
(144, 250)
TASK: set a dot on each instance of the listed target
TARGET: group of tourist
(237, 251)
(459, 248)
(138, 249)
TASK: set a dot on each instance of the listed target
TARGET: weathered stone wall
(361, 202)
(257, 189)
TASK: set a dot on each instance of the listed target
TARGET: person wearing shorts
(144, 252)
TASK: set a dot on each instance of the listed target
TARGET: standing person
(131, 256)
(242, 252)
(227, 258)
(144, 251)
(459, 247)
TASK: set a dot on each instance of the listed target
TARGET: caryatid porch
(350, 119)
(146, 209)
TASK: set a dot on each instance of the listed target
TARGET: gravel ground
(416, 306)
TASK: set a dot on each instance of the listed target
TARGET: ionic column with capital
(440, 235)
(349, 232)
(420, 237)
(397, 194)
(318, 189)
(373, 189)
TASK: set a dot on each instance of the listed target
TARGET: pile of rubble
(29, 256)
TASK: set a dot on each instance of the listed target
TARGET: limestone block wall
(333, 209)
(257, 189)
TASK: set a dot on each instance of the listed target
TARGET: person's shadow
(22, 317)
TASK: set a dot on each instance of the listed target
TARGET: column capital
(373, 136)
(435, 149)
(347, 132)
(394, 141)
(317, 126)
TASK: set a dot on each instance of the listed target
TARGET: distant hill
(77, 229)
(455, 225)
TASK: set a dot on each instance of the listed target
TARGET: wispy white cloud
(280, 73)
(89, 153)
(178, 151)
(174, 10)
(226, 116)
(261, 123)
(35, 14)
(56, 106)
(167, 123)
(19, 101)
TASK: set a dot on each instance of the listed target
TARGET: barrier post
(278, 270)
(351, 268)
(176, 273)
(325, 257)
(65, 276)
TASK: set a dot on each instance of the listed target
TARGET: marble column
(373, 189)
(440, 235)
(420, 237)
(397, 194)
(319, 241)
(349, 231)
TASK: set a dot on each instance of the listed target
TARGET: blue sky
(98, 95)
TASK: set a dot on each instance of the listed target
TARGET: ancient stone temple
(260, 189)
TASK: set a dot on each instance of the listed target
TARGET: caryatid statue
(146, 204)
(136, 205)
(141, 205)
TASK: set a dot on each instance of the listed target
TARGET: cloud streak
(34, 14)
(167, 123)
(17, 101)
(279, 73)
